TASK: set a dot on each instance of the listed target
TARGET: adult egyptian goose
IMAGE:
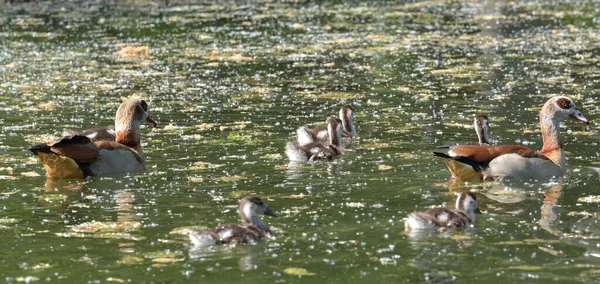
(308, 135)
(517, 162)
(466, 207)
(316, 150)
(251, 230)
(77, 156)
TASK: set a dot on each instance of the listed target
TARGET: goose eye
(564, 103)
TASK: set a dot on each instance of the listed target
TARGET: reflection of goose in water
(249, 257)
(549, 211)
(503, 193)
(515, 193)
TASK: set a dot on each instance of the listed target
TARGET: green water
(230, 83)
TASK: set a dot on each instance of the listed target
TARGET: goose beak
(477, 211)
(579, 117)
(149, 120)
(270, 212)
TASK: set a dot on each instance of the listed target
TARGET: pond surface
(230, 83)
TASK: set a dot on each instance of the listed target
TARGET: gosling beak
(270, 212)
(579, 117)
(149, 120)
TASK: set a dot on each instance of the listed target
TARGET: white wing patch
(202, 239)
(322, 135)
(443, 218)
(92, 135)
(225, 234)
(416, 222)
(295, 154)
(304, 137)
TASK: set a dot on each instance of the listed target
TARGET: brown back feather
(455, 217)
(485, 154)
(78, 148)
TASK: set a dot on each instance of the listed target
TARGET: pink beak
(579, 117)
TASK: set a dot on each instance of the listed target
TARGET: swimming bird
(482, 126)
(251, 230)
(470, 162)
(461, 216)
(307, 135)
(316, 150)
(78, 156)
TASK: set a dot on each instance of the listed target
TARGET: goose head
(131, 114)
(335, 130)
(482, 127)
(467, 202)
(251, 208)
(128, 119)
(347, 117)
(561, 108)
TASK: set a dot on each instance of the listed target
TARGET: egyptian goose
(482, 126)
(77, 156)
(466, 207)
(517, 162)
(316, 150)
(308, 135)
(251, 230)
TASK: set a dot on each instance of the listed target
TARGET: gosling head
(347, 117)
(482, 127)
(251, 208)
(467, 202)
